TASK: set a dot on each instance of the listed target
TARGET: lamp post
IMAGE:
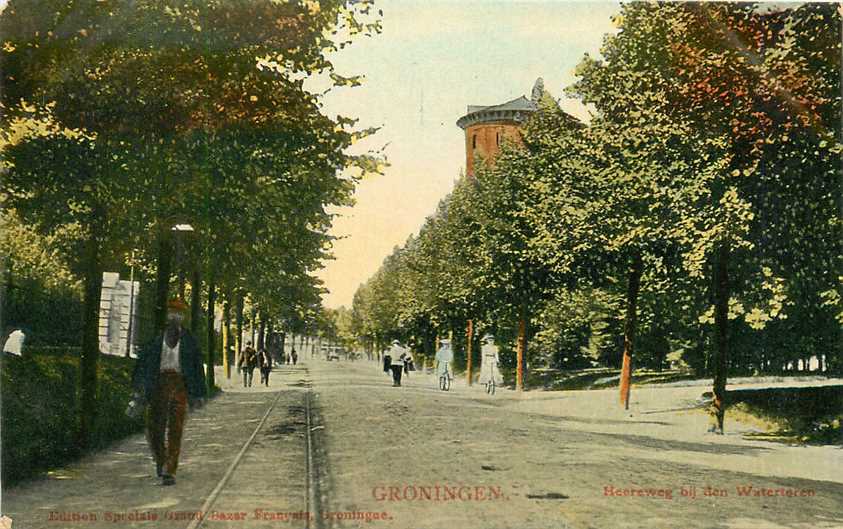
(180, 230)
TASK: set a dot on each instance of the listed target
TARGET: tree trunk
(283, 344)
(212, 298)
(721, 324)
(195, 300)
(633, 286)
(238, 340)
(5, 269)
(261, 332)
(90, 341)
(226, 335)
(162, 283)
(469, 337)
(521, 352)
(253, 326)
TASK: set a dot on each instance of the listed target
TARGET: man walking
(247, 364)
(169, 376)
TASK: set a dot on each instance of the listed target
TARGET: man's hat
(176, 305)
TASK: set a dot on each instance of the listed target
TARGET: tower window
(474, 141)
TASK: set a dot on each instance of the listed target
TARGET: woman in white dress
(489, 371)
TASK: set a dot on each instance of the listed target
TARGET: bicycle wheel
(492, 387)
(447, 382)
(442, 379)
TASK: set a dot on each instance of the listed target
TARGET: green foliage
(39, 395)
(218, 132)
(713, 127)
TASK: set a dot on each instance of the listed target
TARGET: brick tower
(487, 127)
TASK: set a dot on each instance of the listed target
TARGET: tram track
(312, 496)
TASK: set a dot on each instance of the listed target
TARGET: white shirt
(395, 353)
(170, 356)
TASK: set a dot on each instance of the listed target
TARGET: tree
(122, 154)
(722, 72)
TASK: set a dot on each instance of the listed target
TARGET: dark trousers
(265, 375)
(248, 374)
(396, 374)
(165, 420)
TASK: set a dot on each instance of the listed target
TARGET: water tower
(486, 127)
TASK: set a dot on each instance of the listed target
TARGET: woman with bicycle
(490, 374)
(444, 357)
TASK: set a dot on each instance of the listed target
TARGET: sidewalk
(117, 487)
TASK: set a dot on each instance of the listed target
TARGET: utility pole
(131, 306)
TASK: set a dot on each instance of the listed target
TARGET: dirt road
(334, 445)
(555, 460)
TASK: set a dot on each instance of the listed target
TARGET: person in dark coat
(247, 363)
(387, 362)
(169, 376)
(265, 362)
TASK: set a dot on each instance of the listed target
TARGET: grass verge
(40, 410)
(801, 415)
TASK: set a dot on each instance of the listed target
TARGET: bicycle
(445, 380)
(490, 383)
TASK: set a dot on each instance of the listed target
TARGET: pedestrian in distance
(408, 363)
(397, 353)
(387, 361)
(444, 357)
(490, 374)
(247, 364)
(265, 361)
(168, 376)
(294, 356)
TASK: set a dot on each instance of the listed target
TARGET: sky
(432, 60)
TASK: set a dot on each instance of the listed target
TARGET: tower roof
(515, 110)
